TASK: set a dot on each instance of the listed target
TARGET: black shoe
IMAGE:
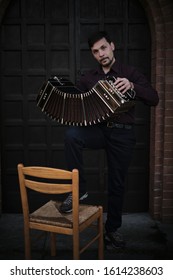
(113, 240)
(66, 206)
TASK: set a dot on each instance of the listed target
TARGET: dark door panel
(41, 38)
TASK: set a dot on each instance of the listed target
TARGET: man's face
(103, 52)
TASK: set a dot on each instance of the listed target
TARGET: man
(116, 135)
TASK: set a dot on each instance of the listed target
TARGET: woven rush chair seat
(49, 214)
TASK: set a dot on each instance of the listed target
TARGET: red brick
(168, 194)
(167, 219)
(167, 211)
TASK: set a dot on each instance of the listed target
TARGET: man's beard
(110, 61)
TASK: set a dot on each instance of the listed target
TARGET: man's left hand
(123, 84)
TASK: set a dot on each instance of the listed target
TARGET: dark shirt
(144, 91)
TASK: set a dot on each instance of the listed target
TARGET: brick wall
(160, 16)
(167, 198)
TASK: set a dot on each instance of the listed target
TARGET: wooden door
(41, 38)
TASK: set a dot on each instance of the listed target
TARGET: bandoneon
(62, 101)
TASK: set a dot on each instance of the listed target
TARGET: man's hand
(123, 84)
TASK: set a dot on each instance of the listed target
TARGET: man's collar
(115, 68)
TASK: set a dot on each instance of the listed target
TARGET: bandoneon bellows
(62, 101)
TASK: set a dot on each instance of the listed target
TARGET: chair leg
(76, 253)
(27, 243)
(53, 244)
(100, 241)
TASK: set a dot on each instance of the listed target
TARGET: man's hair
(98, 36)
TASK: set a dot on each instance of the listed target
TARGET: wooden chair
(48, 218)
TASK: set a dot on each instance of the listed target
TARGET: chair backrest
(48, 181)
